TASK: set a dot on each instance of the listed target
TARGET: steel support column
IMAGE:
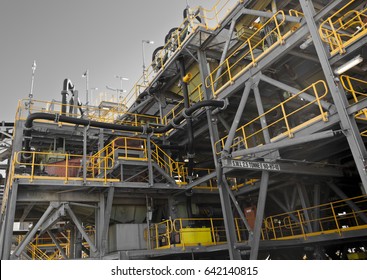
(9, 221)
(347, 122)
(316, 210)
(54, 240)
(305, 202)
(107, 217)
(214, 137)
(263, 183)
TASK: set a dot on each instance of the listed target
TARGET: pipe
(189, 127)
(61, 118)
(67, 86)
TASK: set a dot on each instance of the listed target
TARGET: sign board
(256, 165)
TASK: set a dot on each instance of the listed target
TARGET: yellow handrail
(356, 88)
(231, 67)
(333, 217)
(195, 95)
(65, 167)
(243, 134)
(117, 114)
(343, 28)
(209, 19)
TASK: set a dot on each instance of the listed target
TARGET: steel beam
(305, 202)
(297, 167)
(100, 214)
(56, 242)
(260, 110)
(325, 105)
(106, 221)
(237, 206)
(9, 221)
(269, 15)
(20, 248)
(350, 203)
(347, 122)
(316, 209)
(80, 228)
(255, 242)
(284, 208)
(225, 50)
(26, 211)
(52, 219)
(214, 136)
(237, 118)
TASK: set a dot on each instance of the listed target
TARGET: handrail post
(212, 230)
(301, 224)
(335, 218)
(290, 135)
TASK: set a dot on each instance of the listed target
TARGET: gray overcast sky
(69, 36)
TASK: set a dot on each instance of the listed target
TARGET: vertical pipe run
(190, 134)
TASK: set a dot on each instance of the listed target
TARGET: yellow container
(196, 236)
(357, 256)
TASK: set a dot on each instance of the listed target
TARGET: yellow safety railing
(295, 13)
(329, 218)
(344, 27)
(115, 114)
(214, 16)
(175, 169)
(160, 235)
(196, 95)
(281, 121)
(129, 148)
(126, 148)
(357, 88)
(209, 19)
(184, 232)
(264, 39)
(333, 217)
(34, 165)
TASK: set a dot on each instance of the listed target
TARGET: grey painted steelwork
(223, 193)
(18, 250)
(347, 122)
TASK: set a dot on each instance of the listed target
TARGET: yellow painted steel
(231, 67)
(343, 28)
(334, 218)
(355, 87)
(195, 95)
(209, 19)
(243, 134)
(94, 113)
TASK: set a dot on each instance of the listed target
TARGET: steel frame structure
(285, 139)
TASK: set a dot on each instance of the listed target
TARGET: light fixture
(350, 64)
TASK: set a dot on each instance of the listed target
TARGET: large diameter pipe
(172, 125)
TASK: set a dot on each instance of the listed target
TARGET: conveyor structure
(244, 139)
